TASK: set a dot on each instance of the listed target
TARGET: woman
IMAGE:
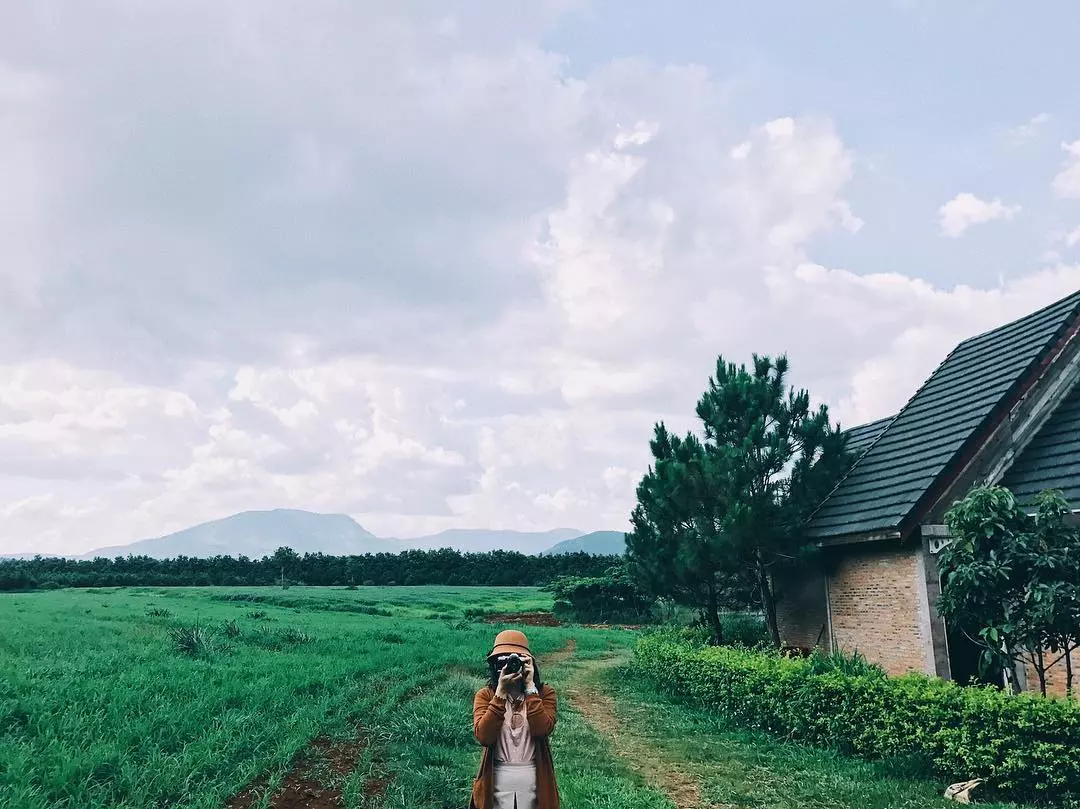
(512, 717)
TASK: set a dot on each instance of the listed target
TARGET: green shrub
(740, 629)
(613, 597)
(1027, 747)
(744, 629)
(856, 665)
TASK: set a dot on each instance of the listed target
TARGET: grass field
(358, 698)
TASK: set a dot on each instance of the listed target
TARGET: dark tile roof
(1052, 459)
(944, 418)
(860, 438)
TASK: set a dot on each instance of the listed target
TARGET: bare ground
(523, 618)
(314, 781)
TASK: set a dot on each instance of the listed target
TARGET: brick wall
(1056, 677)
(801, 614)
(878, 606)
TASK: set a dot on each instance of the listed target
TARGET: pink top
(515, 741)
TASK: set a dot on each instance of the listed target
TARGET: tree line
(413, 567)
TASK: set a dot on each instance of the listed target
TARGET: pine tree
(782, 458)
(676, 547)
(731, 508)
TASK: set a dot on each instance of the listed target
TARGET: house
(1002, 408)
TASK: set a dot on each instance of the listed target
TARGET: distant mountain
(259, 533)
(599, 543)
(481, 540)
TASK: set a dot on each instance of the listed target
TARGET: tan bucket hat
(508, 641)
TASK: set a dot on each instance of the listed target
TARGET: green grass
(748, 769)
(101, 707)
(151, 697)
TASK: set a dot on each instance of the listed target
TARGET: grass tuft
(193, 641)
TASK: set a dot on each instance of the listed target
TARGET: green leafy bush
(1026, 746)
(854, 665)
(611, 598)
(740, 629)
(744, 629)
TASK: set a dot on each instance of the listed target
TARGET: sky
(444, 264)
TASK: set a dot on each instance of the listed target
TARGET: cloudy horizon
(443, 265)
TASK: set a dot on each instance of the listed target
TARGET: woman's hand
(527, 672)
(507, 681)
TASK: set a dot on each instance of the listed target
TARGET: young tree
(731, 508)
(676, 547)
(1011, 581)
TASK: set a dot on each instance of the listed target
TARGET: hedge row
(1027, 747)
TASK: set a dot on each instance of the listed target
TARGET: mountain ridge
(258, 533)
(485, 539)
(598, 543)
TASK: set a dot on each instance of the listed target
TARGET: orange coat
(488, 715)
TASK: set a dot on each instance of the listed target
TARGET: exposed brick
(1056, 677)
(875, 600)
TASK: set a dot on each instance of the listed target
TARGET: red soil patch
(303, 788)
(374, 787)
(523, 618)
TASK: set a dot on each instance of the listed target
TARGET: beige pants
(515, 786)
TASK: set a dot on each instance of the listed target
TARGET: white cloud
(966, 209)
(1072, 238)
(1026, 132)
(406, 267)
(1067, 183)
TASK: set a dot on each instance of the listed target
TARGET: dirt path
(559, 655)
(636, 751)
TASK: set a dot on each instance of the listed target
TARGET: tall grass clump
(193, 641)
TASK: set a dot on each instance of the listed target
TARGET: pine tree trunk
(768, 604)
(712, 614)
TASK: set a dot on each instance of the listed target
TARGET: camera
(513, 664)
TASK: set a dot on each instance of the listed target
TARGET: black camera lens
(513, 664)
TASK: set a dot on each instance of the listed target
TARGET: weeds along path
(637, 751)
